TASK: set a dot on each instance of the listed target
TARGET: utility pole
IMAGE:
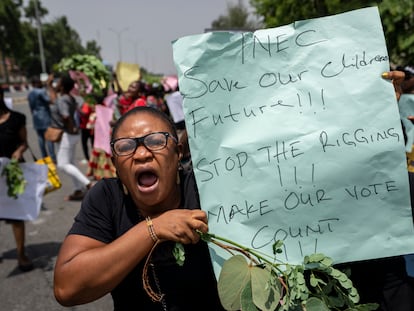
(40, 39)
(118, 33)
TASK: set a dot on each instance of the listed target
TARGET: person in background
(100, 164)
(155, 97)
(134, 96)
(13, 143)
(64, 116)
(87, 133)
(39, 100)
(135, 220)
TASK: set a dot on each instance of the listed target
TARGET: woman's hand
(17, 154)
(180, 225)
(397, 77)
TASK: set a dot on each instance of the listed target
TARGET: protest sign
(295, 136)
(102, 126)
(127, 73)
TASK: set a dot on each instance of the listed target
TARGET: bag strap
(32, 153)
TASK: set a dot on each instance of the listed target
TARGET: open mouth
(147, 181)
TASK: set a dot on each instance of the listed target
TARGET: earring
(178, 181)
(125, 189)
(180, 167)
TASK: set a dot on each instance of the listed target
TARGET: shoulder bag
(53, 134)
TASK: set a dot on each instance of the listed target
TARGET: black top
(9, 133)
(107, 213)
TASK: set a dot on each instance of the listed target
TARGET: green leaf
(266, 295)
(364, 307)
(316, 257)
(346, 284)
(246, 300)
(15, 181)
(313, 281)
(315, 304)
(327, 261)
(232, 280)
(277, 247)
(179, 253)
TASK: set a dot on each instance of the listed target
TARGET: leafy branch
(252, 281)
(15, 180)
(92, 67)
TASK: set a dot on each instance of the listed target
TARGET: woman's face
(133, 89)
(150, 176)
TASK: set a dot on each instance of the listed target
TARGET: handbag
(53, 134)
(53, 180)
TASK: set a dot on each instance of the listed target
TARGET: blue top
(39, 106)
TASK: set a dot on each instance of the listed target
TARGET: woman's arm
(87, 269)
(18, 153)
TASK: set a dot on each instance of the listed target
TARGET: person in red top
(133, 97)
(87, 133)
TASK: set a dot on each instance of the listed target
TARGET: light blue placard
(295, 136)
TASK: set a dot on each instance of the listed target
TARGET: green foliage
(179, 253)
(19, 38)
(60, 41)
(10, 29)
(91, 66)
(397, 18)
(30, 10)
(14, 178)
(237, 18)
(250, 281)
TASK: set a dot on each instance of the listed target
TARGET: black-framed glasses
(152, 141)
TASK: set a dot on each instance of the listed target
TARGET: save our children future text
(288, 96)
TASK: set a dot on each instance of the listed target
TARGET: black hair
(67, 83)
(35, 80)
(3, 106)
(141, 110)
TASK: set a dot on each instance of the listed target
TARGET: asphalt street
(34, 290)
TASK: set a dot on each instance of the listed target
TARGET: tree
(60, 41)
(29, 59)
(10, 30)
(30, 11)
(237, 18)
(92, 48)
(19, 38)
(397, 18)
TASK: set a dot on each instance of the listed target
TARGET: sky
(138, 31)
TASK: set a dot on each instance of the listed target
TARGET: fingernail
(385, 75)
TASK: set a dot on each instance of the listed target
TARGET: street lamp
(118, 33)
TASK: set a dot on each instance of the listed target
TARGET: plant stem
(210, 237)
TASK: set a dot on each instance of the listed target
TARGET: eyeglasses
(153, 142)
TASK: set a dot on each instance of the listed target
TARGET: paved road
(33, 290)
